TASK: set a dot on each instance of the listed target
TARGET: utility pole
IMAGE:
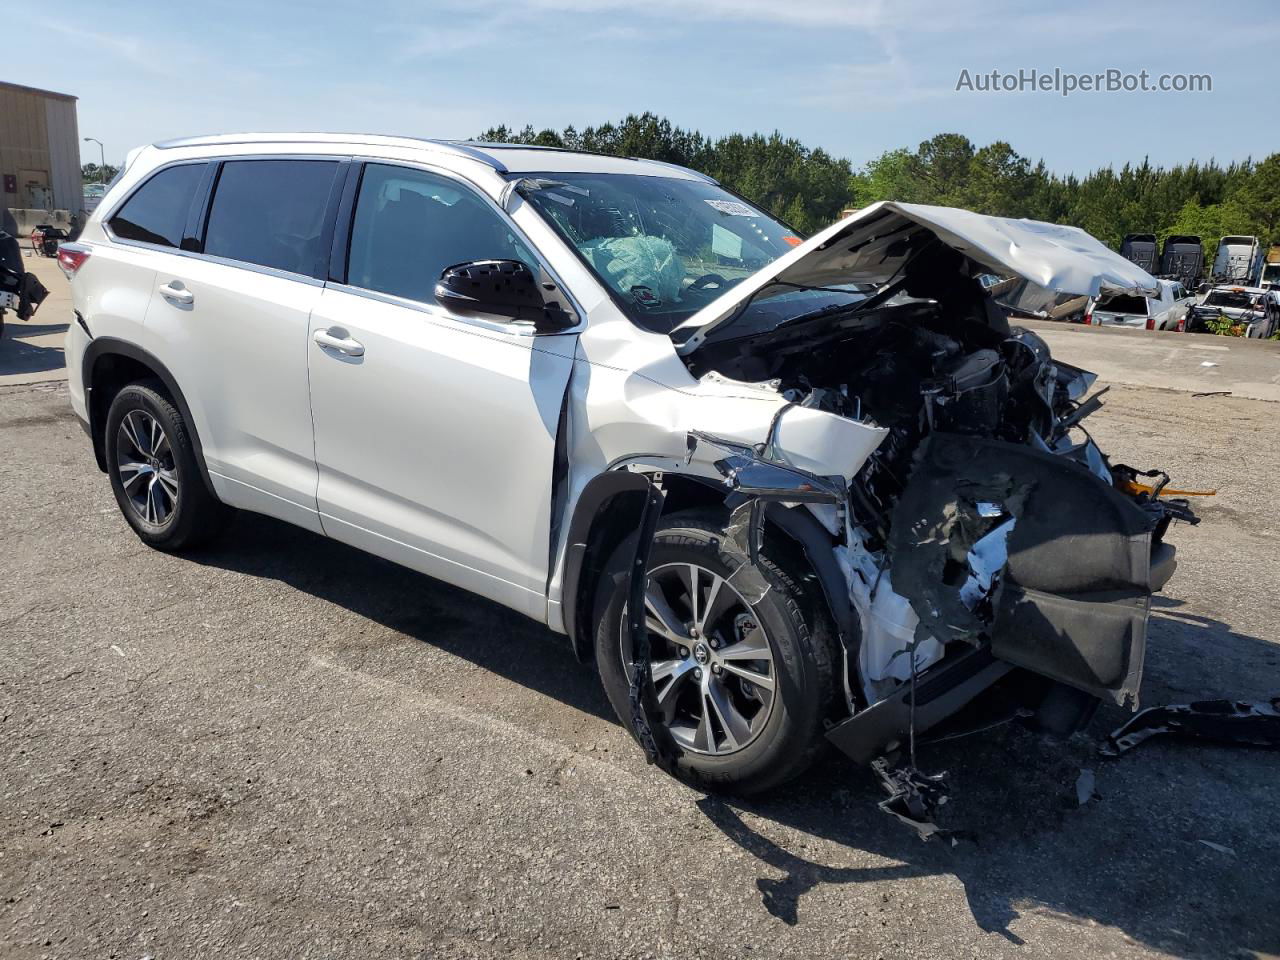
(102, 158)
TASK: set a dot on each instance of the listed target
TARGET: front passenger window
(410, 225)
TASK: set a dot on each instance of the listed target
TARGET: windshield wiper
(880, 296)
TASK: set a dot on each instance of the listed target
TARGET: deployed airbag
(646, 268)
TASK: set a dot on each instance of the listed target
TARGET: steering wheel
(709, 280)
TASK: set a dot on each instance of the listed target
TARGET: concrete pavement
(1192, 362)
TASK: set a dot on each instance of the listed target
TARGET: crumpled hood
(855, 250)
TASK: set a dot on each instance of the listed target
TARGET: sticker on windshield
(792, 241)
(732, 207)
(567, 201)
(726, 243)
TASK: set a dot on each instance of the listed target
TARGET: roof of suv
(501, 157)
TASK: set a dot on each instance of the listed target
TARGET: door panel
(435, 445)
(239, 350)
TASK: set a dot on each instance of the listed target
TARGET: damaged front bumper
(1010, 557)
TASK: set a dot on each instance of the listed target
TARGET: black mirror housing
(503, 290)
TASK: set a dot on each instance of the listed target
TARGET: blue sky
(854, 78)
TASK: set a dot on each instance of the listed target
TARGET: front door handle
(176, 292)
(343, 344)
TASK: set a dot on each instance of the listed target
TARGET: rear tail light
(1182, 324)
(1151, 323)
(71, 258)
(1088, 316)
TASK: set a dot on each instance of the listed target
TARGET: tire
(784, 742)
(154, 472)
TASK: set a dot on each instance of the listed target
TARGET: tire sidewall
(800, 699)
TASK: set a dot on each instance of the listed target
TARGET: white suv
(530, 372)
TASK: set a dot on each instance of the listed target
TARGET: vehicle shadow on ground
(1130, 858)
(18, 357)
(449, 619)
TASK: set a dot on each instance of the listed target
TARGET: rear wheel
(743, 682)
(154, 472)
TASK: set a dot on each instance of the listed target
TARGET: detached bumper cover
(1072, 600)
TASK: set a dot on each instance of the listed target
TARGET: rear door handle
(176, 292)
(343, 344)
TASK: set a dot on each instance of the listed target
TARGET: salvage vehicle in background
(1238, 260)
(1182, 259)
(784, 492)
(1142, 249)
(1163, 312)
(1270, 279)
(1238, 311)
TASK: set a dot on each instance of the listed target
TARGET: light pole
(102, 156)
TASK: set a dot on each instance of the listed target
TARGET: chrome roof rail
(454, 147)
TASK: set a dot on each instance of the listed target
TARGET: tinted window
(157, 212)
(271, 212)
(410, 225)
(1124, 304)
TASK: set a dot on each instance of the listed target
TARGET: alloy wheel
(146, 468)
(711, 660)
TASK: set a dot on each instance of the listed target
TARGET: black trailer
(1182, 259)
(1142, 249)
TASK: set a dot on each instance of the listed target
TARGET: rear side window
(1123, 304)
(410, 225)
(271, 212)
(157, 211)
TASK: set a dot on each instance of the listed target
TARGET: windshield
(1225, 298)
(664, 247)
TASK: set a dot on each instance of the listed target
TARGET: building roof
(6, 85)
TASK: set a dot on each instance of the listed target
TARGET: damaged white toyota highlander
(785, 492)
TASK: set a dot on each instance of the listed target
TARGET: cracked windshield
(665, 248)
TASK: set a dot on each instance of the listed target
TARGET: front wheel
(743, 682)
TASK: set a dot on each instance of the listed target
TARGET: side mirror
(502, 290)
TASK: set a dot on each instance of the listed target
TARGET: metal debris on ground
(1232, 722)
(1219, 847)
(1085, 784)
(914, 797)
(1213, 393)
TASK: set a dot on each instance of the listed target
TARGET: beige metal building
(39, 150)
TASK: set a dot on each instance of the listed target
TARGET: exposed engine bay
(986, 531)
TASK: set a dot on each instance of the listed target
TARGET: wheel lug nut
(697, 673)
(693, 632)
(715, 644)
(684, 653)
(715, 668)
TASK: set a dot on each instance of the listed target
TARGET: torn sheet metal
(1233, 722)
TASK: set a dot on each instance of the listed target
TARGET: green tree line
(809, 187)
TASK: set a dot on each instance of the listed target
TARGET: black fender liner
(101, 347)
(623, 494)
(813, 539)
